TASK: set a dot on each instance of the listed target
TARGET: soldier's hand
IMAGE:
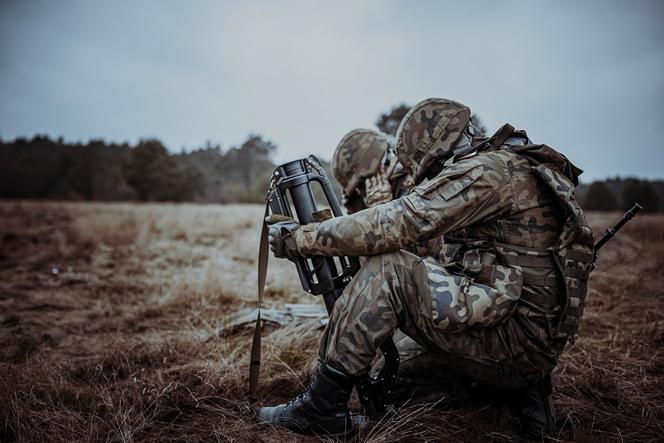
(280, 236)
(377, 190)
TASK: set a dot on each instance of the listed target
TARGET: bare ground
(109, 313)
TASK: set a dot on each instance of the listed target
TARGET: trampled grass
(109, 316)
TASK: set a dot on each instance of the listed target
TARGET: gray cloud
(585, 77)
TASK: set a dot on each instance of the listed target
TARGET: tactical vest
(574, 250)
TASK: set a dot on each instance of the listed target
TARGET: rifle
(290, 194)
(610, 232)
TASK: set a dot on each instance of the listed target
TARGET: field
(110, 318)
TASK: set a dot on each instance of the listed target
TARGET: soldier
(498, 304)
(366, 167)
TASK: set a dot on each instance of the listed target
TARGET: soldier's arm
(426, 248)
(463, 194)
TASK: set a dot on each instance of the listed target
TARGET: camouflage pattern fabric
(484, 314)
(576, 244)
(423, 376)
(356, 165)
(476, 191)
(459, 302)
(427, 248)
(428, 133)
(492, 303)
(384, 296)
(358, 157)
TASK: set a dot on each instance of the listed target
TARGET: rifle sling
(255, 363)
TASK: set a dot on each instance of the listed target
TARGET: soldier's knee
(376, 275)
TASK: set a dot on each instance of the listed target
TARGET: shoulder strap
(255, 363)
(499, 138)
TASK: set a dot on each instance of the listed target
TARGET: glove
(377, 190)
(280, 236)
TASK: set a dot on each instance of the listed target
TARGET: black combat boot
(321, 409)
(533, 406)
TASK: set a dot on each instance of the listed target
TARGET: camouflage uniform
(480, 319)
(360, 154)
(359, 164)
(495, 304)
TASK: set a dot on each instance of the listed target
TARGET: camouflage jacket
(489, 206)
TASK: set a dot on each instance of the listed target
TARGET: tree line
(46, 168)
(619, 194)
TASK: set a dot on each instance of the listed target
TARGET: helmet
(357, 157)
(428, 133)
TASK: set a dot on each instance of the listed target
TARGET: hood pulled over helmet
(429, 133)
(357, 157)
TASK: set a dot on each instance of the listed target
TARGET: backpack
(574, 251)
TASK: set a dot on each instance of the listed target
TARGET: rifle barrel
(610, 232)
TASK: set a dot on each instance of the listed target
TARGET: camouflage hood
(538, 154)
(357, 157)
(428, 134)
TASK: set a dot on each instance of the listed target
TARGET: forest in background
(43, 168)
(47, 168)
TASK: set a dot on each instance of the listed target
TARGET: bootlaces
(301, 395)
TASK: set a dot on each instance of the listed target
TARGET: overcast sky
(586, 77)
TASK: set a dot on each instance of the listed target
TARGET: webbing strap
(487, 272)
(573, 254)
(529, 261)
(501, 136)
(578, 273)
(255, 363)
(549, 300)
(540, 280)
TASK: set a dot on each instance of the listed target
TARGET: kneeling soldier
(498, 303)
(366, 167)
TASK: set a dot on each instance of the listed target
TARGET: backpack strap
(499, 138)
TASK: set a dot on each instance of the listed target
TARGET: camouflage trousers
(422, 378)
(383, 298)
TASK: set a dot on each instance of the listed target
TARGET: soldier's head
(430, 133)
(359, 155)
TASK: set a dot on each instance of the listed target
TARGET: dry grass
(108, 315)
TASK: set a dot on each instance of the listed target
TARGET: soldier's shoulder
(481, 168)
(499, 156)
(505, 161)
(494, 161)
(488, 158)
